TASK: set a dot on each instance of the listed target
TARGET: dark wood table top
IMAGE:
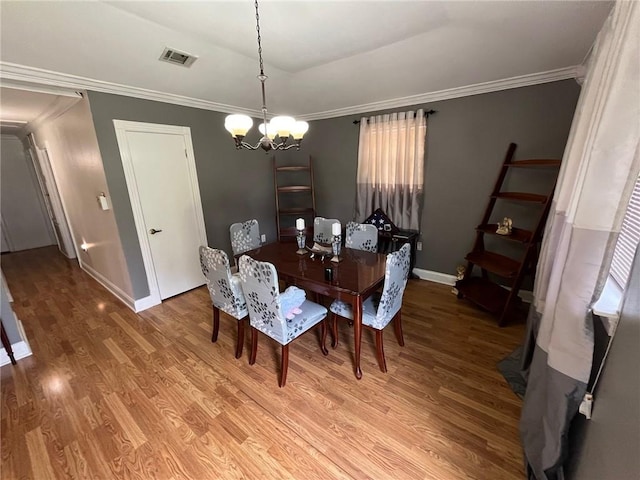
(359, 273)
(354, 278)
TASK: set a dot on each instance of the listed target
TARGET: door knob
(153, 231)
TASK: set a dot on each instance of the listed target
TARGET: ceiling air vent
(179, 58)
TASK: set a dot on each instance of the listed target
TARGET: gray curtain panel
(600, 165)
(390, 167)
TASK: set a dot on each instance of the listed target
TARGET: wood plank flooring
(109, 394)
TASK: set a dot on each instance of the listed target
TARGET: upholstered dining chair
(322, 229)
(260, 286)
(380, 308)
(245, 236)
(362, 236)
(225, 291)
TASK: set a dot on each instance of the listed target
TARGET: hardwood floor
(111, 394)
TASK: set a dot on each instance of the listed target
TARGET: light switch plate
(419, 246)
(102, 201)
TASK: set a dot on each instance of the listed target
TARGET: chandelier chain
(238, 125)
(259, 39)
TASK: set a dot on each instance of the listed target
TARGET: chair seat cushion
(312, 313)
(369, 310)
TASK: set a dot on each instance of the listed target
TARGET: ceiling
(323, 58)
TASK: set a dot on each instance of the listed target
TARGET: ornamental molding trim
(457, 92)
(38, 76)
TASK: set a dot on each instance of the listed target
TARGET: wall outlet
(419, 246)
(587, 405)
(263, 238)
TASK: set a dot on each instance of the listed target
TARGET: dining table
(352, 279)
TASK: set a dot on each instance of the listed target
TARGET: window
(610, 301)
(627, 240)
(390, 167)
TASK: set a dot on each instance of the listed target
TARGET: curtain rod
(426, 114)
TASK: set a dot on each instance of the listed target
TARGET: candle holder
(335, 247)
(301, 238)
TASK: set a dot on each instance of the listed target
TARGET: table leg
(357, 332)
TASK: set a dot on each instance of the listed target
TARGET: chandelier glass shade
(283, 127)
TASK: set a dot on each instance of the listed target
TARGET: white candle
(300, 224)
(336, 229)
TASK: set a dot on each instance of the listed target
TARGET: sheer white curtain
(600, 165)
(391, 167)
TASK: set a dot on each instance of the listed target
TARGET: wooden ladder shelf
(488, 294)
(295, 198)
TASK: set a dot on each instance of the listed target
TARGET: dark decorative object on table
(381, 221)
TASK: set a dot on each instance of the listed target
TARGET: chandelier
(283, 127)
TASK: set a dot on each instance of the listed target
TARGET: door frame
(41, 158)
(5, 234)
(121, 128)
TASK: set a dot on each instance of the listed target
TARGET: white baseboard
(146, 302)
(526, 296)
(106, 283)
(447, 279)
(20, 349)
(70, 257)
(435, 277)
(135, 305)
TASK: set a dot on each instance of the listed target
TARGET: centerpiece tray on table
(320, 250)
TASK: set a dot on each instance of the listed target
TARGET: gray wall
(466, 142)
(24, 214)
(234, 185)
(608, 445)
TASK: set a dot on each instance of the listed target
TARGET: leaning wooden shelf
(519, 235)
(494, 263)
(484, 291)
(286, 214)
(488, 295)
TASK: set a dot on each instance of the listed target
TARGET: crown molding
(38, 76)
(59, 106)
(32, 75)
(13, 128)
(13, 123)
(457, 92)
(38, 88)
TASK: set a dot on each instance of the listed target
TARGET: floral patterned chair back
(225, 289)
(395, 281)
(245, 236)
(362, 236)
(378, 310)
(260, 286)
(322, 229)
(264, 301)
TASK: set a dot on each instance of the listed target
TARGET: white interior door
(53, 203)
(170, 210)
